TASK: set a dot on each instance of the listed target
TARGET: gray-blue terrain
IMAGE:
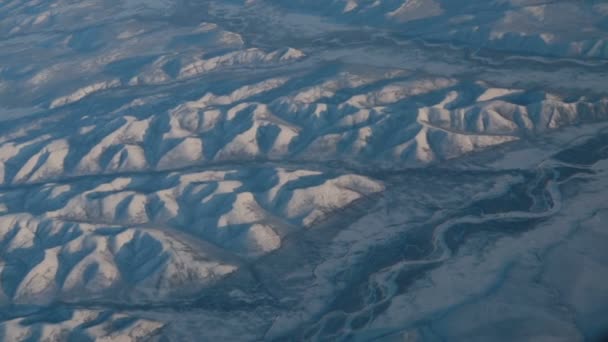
(290, 170)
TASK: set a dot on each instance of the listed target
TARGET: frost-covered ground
(419, 170)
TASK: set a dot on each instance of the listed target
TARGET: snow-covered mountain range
(420, 170)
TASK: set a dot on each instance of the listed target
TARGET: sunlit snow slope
(427, 170)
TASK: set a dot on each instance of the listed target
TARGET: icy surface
(419, 170)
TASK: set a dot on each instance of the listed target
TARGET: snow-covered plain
(419, 170)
